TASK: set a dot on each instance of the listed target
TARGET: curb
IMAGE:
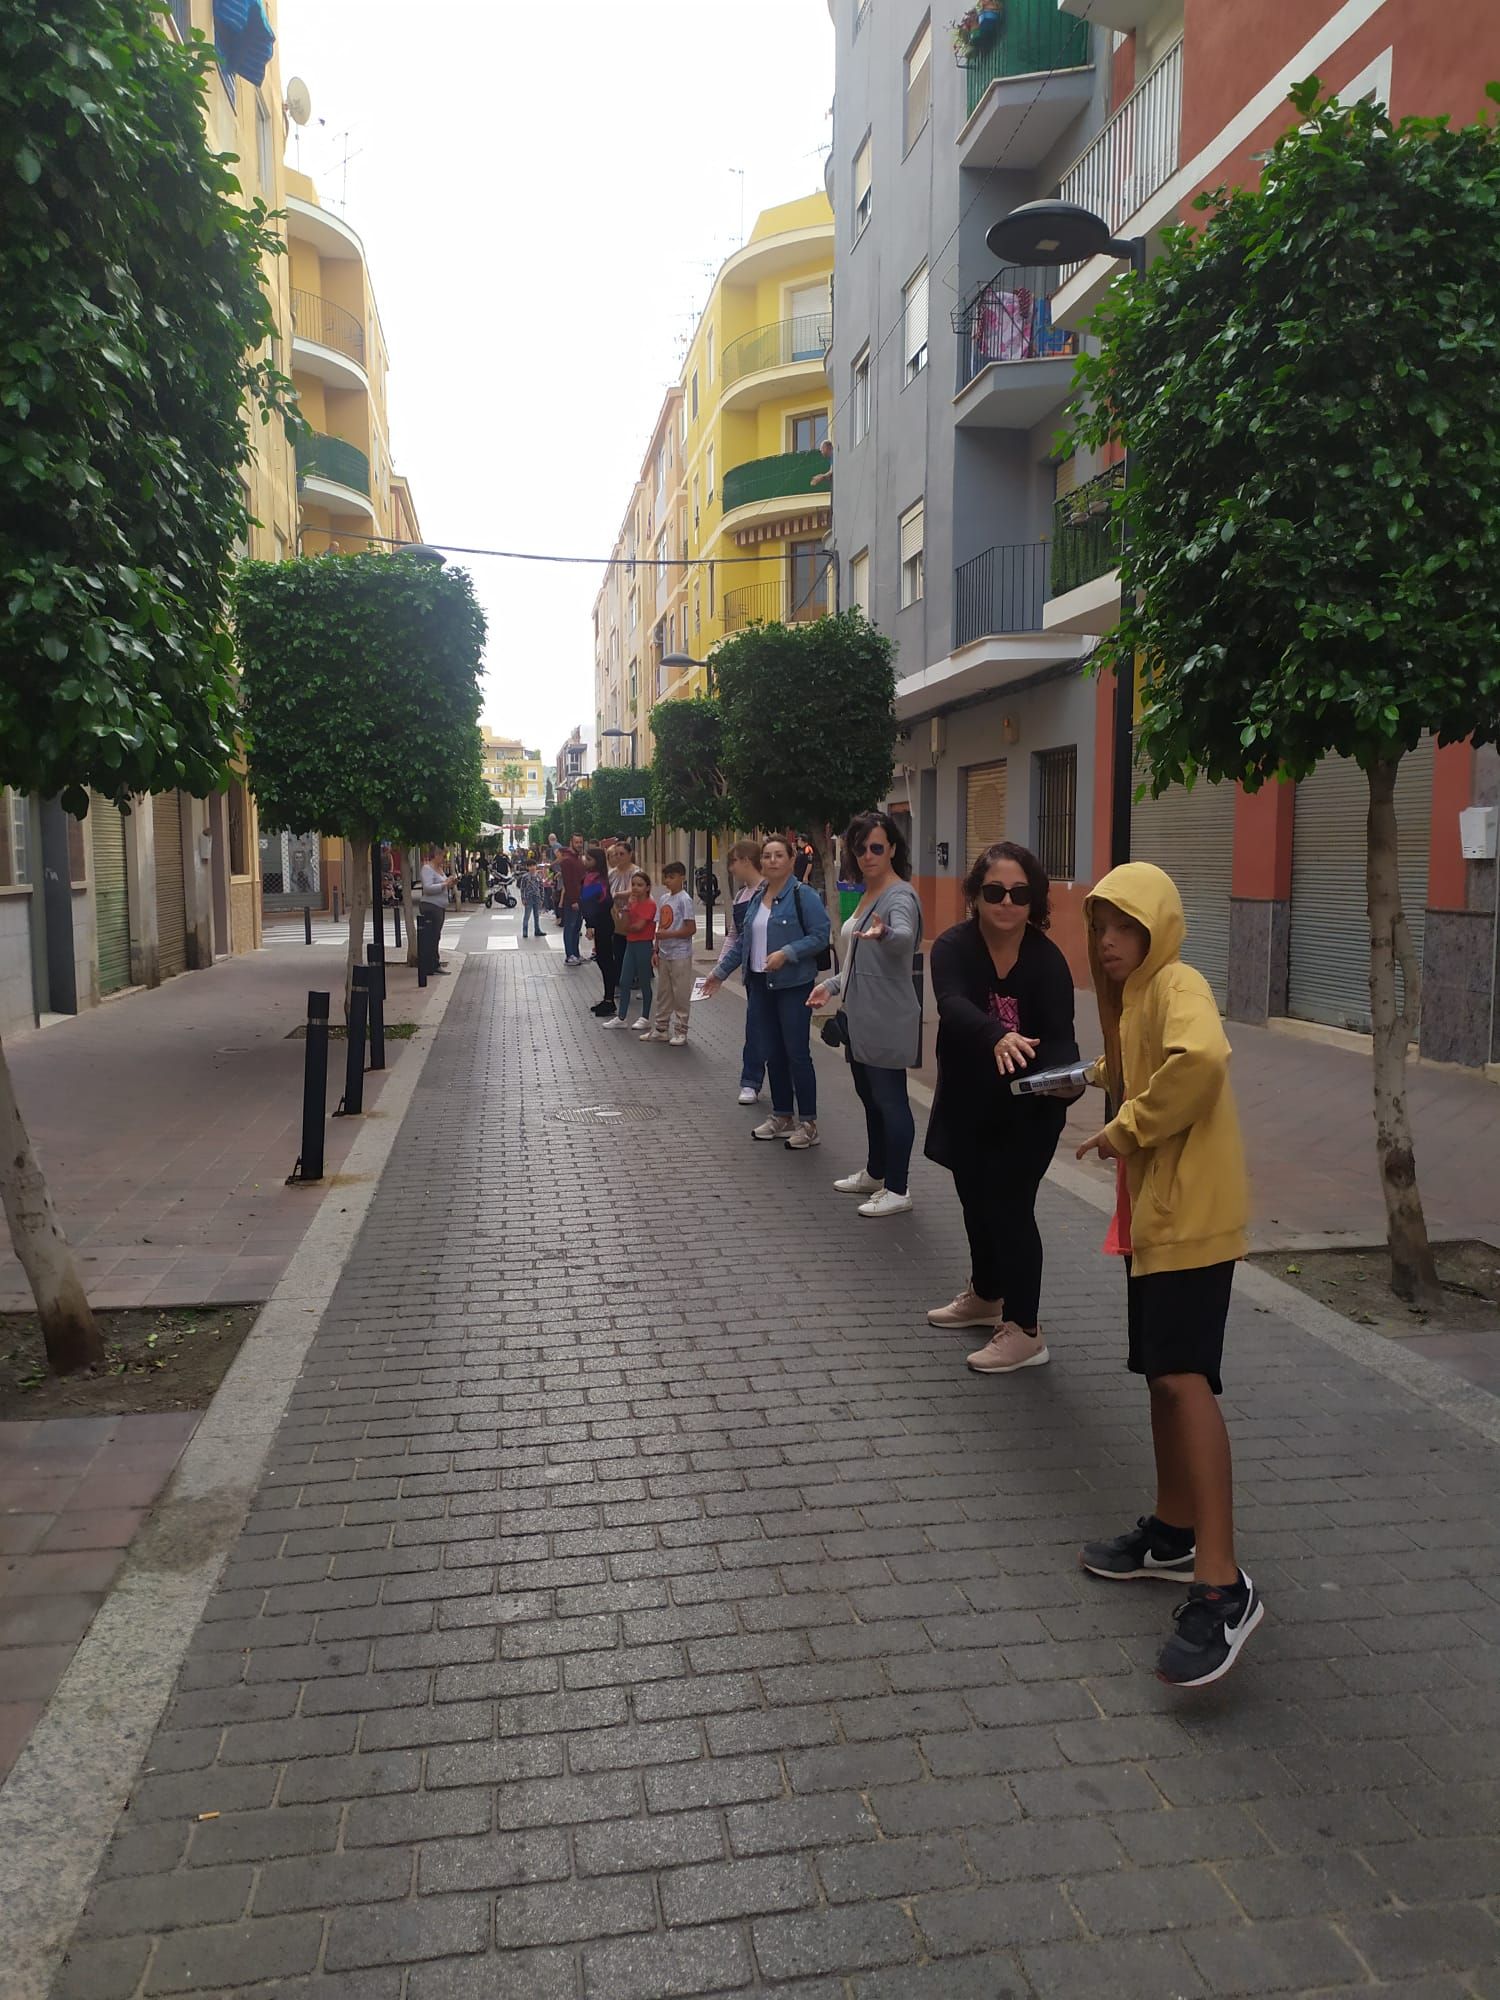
(62, 1799)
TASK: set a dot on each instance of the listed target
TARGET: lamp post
(1062, 232)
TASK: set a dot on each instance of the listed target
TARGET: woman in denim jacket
(779, 943)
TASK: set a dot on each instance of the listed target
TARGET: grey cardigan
(879, 1000)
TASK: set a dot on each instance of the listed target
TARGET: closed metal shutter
(1330, 931)
(111, 897)
(171, 896)
(1191, 835)
(984, 809)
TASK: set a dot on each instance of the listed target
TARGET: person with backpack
(749, 884)
(783, 944)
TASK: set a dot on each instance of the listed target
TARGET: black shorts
(1176, 1321)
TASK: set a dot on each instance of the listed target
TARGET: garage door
(1190, 833)
(1330, 935)
(111, 899)
(984, 809)
(171, 896)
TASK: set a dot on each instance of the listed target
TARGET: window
(859, 582)
(15, 861)
(265, 162)
(861, 9)
(238, 815)
(1057, 811)
(635, 609)
(661, 474)
(697, 511)
(710, 472)
(911, 556)
(861, 394)
(914, 317)
(695, 395)
(918, 84)
(78, 867)
(862, 189)
(807, 564)
(808, 433)
(182, 14)
(711, 590)
(710, 354)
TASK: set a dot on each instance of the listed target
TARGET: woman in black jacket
(1005, 1003)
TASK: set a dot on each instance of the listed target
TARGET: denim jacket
(796, 906)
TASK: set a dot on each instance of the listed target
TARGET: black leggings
(998, 1189)
(608, 957)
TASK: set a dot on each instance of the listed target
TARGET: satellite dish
(298, 101)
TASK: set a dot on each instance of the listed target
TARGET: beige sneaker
(1010, 1349)
(802, 1136)
(968, 1309)
(774, 1128)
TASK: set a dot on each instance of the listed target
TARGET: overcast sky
(545, 193)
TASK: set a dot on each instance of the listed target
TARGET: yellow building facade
(517, 777)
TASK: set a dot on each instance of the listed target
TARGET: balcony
(783, 359)
(781, 603)
(1084, 586)
(1001, 591)
(1124, 16)
(769, 497)
(336, 474)
(328, 341)
(1026, 87)
(1015, 367)
(998, 634)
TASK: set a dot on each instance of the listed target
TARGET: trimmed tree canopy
(687, 777)
(606, 788)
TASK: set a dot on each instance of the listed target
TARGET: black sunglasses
(996, 892)
(873, 847)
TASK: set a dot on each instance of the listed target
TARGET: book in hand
(1069, 1081)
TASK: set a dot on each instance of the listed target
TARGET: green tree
(688, 788)
(1309, 385)
(133, 333)
(361, 691)
(809, 732)
(607, 787)
(512, 780)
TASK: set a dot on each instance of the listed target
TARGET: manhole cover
(604, 1114)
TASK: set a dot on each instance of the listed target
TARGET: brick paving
(642, 1600)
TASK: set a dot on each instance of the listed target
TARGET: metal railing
(336, 459)
(781, 603)
(1033, 37)
(785, 341)
(1010, 319)
(1001, 591)
(319, 319)
(786, 474)
(1086, 531)
(1136, 153)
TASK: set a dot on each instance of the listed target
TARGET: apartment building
(574, 761)
(517, 777)
(990, 557)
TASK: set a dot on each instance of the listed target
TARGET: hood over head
(1150, 896)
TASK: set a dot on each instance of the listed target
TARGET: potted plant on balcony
(976, 29)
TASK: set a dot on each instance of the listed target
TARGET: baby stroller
(500, 892)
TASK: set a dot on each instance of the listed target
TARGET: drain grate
(604, 1114)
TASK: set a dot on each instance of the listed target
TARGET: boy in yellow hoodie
(1180, 1224)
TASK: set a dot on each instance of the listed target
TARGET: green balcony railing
(788, 473)
(334, 458)
(1086, 531)
(1033, 37)
(805, 338)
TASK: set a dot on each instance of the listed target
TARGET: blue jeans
(753, 1057)
(531, 918)
(572, 930)
(636, 972)
(889, 1125)
(783, 1024)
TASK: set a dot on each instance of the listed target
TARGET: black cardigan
(972, 1111)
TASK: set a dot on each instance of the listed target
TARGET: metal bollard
(307, 923)
(396, 924)
(377, 1007)
(309, 1165)
(353, 1101)
(335, 906)
(422, 934)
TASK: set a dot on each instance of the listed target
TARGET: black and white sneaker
(1150, 1548)
(1213, 1622)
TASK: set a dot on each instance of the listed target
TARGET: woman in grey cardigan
(881, 1016)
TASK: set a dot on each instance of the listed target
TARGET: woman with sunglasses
(881, 1019)
(1005, 1003)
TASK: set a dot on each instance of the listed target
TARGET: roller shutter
(1190, 833)
(171, 896)
(111, 898)
(984, 809)
(1330, 931)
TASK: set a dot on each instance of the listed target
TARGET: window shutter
(916, 315)
(911, 534)
(861, 176)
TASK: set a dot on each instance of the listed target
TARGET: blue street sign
(632, 808)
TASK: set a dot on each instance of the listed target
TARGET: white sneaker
(886, 1203)
(860, 1183)
(652, 1036)
(774, 1128)
(640, 1027)
(677, 1041)
(802, 1136)
(572, 961)
(749, 1096)
(612, 1021)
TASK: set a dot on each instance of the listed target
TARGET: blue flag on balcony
(243, 36)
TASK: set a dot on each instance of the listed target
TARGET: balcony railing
(334, 458)
(785, 341)
(1010, 319)
(1033, 37)
(781, 603)
(787, 474)
(1086, 531)
(1001, 591)
(1137, 152)
(329, 325)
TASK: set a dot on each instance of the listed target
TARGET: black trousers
(608, 958)
(997, 1187)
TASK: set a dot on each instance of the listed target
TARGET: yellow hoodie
(1166, 1064)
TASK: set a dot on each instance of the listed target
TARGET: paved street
(648, 1603)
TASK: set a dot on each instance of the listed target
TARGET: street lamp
(424, 552)
(1062, 232)
(623, 733)
(680, 663)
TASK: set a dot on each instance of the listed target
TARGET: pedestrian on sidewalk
(529, 881)
(433, 908)
(570, 865)
(621, 874)
(1182, 1203)
(744, 870)
(598, 915)
(879, 1022)
(1005, 1001)
(673, 962)
(782, 939)
(639, 934)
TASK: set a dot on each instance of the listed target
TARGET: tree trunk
(1413, 1272)
(413, 861)
(359, 904)
(822, 840)
(68, 1328)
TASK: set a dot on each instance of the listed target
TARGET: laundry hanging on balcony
(244, 37)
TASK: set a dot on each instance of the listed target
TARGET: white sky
(545, 192)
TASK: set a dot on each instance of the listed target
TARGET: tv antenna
(741, 172)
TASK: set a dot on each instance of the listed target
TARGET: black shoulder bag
(824, 959)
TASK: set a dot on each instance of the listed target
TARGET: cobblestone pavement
(663, 1611)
